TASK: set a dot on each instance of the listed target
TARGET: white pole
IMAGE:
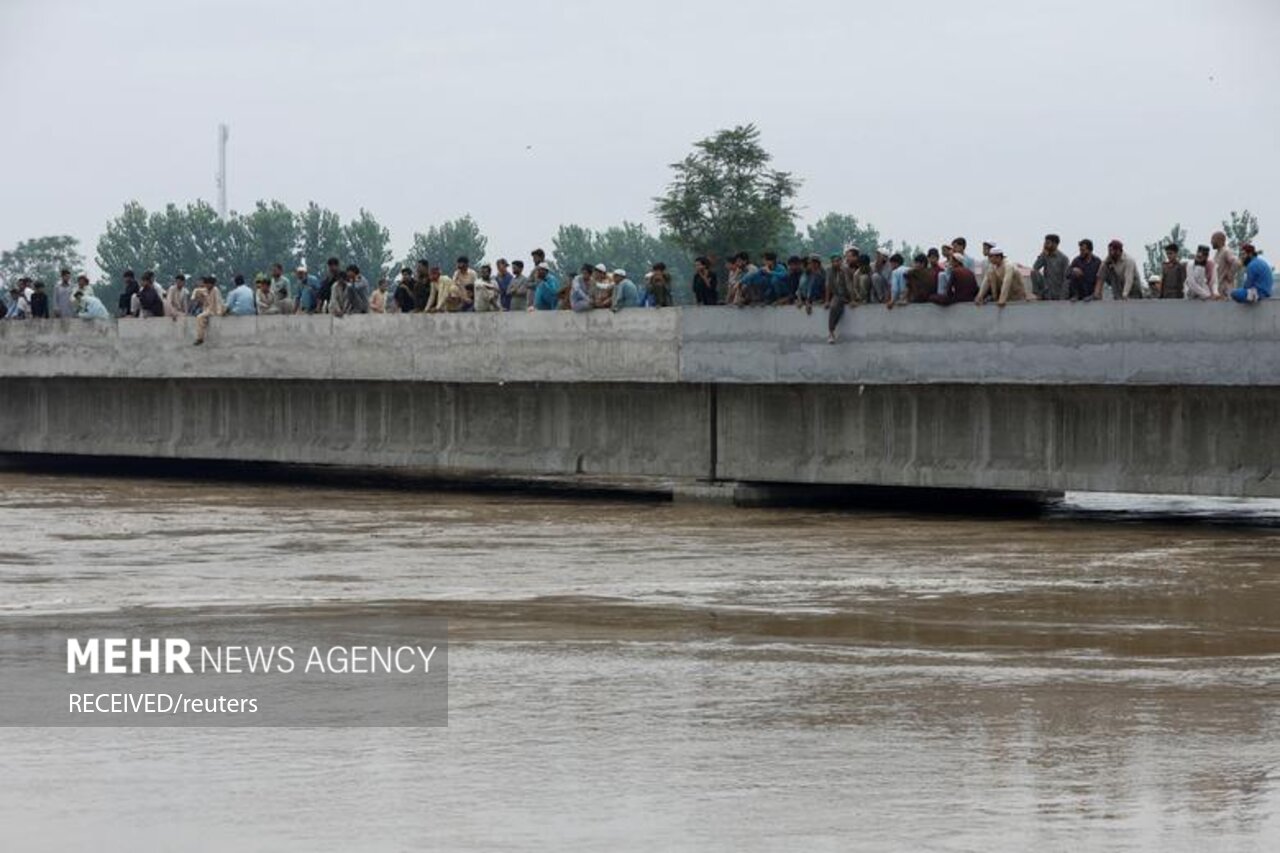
(223, 133)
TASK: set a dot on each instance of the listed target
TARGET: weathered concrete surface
(1146, 397)
(1137, 343)
(1148, 342)
(454, 429)
(1213, 441)
(474, 348)
(1208, 441)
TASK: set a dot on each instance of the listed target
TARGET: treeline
(724, 197)
(1240, 228)
(194, 240)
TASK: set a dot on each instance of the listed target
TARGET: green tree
(907, 250)
(168, 230)
(208, 250)
(443, 244)
(42, 259)
(127, 242)
(629, 246)
(320, 237)
(1154, 263)
(1241, 228)
(368, 245)
(191, 240)
(724, 197)
(835, 232)
(571, 247)
(266, 236)
(633, 248)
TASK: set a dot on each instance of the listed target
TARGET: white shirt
(486, 296)
(1198, 285)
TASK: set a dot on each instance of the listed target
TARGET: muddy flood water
(648, 676)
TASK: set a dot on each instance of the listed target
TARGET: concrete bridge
(1161, 397)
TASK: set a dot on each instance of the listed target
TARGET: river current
(657, 676)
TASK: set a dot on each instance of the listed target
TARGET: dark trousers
(1080, 289)
(834, 313)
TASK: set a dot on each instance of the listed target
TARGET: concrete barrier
(1143, 396)
(1149, 342)
(1134, 343)
(483, 348)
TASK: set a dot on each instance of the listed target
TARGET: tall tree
(1241, 228)
(1154, 262)
(191, 240)
(904, 248)
(368, 245)
(724, 197)
(169, 231)
(127, 243)
(571, 247)
(629, 246)
(41, 258)
(835, 232)
(268, 235)
(445, 243)
(208, 248)
(320, 236)
(633, 248)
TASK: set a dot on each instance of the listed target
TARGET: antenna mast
(223, 133)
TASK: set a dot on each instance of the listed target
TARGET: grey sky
(928, 118)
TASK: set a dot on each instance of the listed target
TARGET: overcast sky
(929, 118)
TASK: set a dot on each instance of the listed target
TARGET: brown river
(654, 676)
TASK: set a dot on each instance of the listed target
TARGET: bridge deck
(1135, 343)
(1147, 397)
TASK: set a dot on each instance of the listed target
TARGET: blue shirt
(1258, 273)
(547, 295)
(504, 282)
(626, 295)
(768, 282)
(580, 295)
(898, 283)
(307, 293)
(240, 301)
(91, 308)
(779, 282)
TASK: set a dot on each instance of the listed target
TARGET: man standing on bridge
(1083, 273)
(175, 298)
(308, 298)
(62, 292)
(1119, 271)
(546, 289)
(333, 275)
(1173, 274)
(1226, 267)
(1049, 273)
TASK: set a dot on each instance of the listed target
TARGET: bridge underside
(1019, 438)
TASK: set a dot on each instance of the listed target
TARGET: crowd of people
(944, 276)
(949, 275)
